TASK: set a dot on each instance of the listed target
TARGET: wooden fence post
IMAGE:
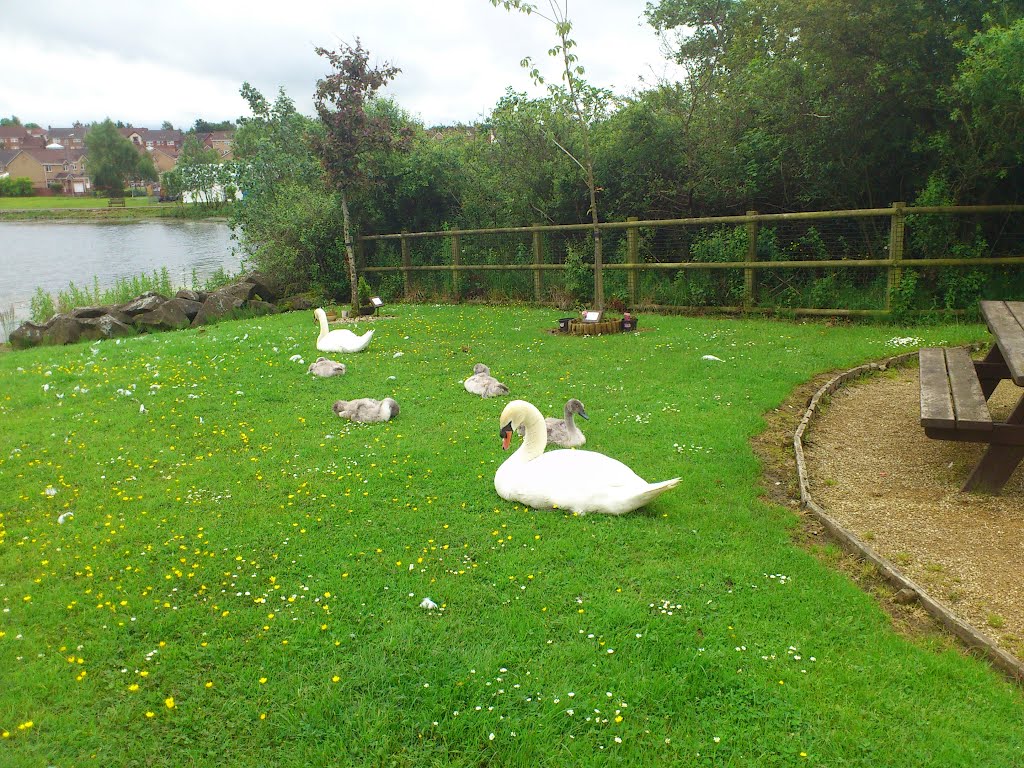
(749, 274)
(633, 258)
(896, 245)
(538, 259)
(456, 261)
(406, 263)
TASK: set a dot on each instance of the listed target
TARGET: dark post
(896, 245)
(406, 274)
(633, 257)
(538, 259)
(750, 274)
(456, 261)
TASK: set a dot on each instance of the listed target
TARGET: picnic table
(955, 391)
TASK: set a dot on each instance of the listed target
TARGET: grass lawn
(240, 582)
(41, 203)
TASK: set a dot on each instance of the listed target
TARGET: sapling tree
(574, 95)
(353, 138)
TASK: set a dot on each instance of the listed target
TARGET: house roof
(13, 132)
(6, 155)
(53, 156)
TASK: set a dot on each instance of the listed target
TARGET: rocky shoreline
(252, 295)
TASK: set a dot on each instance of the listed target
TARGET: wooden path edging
(971, 637)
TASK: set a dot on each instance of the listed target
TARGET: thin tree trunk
(350, 253)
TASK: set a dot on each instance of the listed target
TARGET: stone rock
(243, 291)
(297, 303)
(64, 329)
(197, 296)
(104, 327)
(168, 316)
(264, 288)
(81, 312)
(144, 303)
(217, 305)
(189, 306)
(261, 307)
(27, 335)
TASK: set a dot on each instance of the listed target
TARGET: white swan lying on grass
(580, 481)
(340, 340)
(483, 384)
(366, 409)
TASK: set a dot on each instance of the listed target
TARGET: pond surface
(49, 255)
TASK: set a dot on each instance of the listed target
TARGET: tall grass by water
(201, 565)
(43, 305)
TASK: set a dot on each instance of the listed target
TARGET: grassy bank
(239, 578)
(44, 208)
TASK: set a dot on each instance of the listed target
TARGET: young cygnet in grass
(564, 432)
(366, 409)
(324, 367)
(483, 384)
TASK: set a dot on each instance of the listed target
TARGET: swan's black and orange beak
(505, 433)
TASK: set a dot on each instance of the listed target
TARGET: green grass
(39, 203)
(239, 549)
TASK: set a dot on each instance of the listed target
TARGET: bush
(19, 187)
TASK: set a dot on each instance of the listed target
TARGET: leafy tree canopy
(112, 158)
(205, 126)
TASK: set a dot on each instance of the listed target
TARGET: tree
(574, 96)
(112, 158)
(200, 172)
(288, 223)
(353, 137)
(12, 120)
(205, 126)
(981, 149)
(166, 126)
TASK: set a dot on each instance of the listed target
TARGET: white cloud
(77, 61)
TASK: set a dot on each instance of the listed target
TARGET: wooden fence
(894, 263)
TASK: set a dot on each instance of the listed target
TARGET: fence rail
(754, 262)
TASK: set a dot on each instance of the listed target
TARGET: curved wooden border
(971, 637)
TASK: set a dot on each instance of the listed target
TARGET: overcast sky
(67, 60)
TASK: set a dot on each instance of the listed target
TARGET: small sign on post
(592, 316)
(376, 301)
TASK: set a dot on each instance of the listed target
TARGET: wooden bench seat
(115, 202)
(952, 399)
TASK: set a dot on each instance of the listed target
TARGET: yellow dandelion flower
(263, 680)
(169, 702)
(335, 679)
(263, 715)
(209, 684)
(133, 687)
(151, 714)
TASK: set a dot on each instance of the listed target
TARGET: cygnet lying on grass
(483, 384)
(366, 409)
(564, 432)
(324, 367)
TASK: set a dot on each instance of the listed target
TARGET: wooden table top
(1005, 319)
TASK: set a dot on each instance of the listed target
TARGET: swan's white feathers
(340, 340)
(579, 481)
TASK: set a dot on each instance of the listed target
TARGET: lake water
(49, 255)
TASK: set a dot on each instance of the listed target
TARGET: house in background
(65, 167)
(70, 138)
(6, 155)
(164, 158)
(18, 137)
(152, 139)
(220, 141)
